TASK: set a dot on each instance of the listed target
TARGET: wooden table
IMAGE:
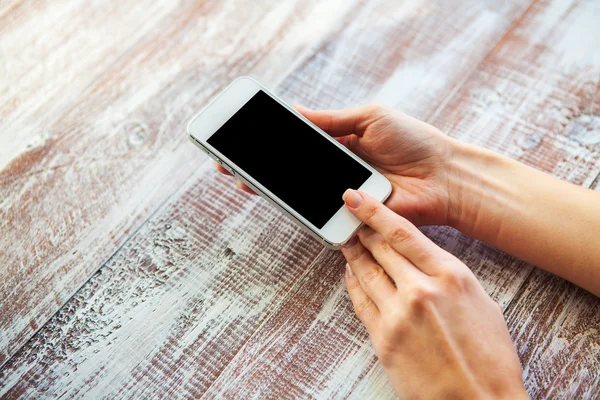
(130, 268)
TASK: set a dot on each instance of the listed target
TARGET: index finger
(397, 231)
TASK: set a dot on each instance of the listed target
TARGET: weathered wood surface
(536, 98)
(120, 150)
(217, 294)
(51, 216)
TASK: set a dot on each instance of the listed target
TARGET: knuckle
(457, 280)
(373, 275)
(364, 309)
(401, 234)
(371, 210)
(394, 332)
(375, 106)
(352, 285)
(383, 247)
(396, 324)
(386, 345)
(419, 297)
(384, 348)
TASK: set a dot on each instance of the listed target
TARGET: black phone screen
(290, 158)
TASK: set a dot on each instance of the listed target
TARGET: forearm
(527, 213)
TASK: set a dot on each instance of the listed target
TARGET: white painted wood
(218, 295)
(120, 149)
(501, 275)
(169, 311)
(52, 51)
(535, 98)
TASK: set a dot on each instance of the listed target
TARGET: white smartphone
(286, 159)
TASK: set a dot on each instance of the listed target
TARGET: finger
(341, 122)
(373, 279)
(402, 271)
(222, 170)
(402, 236)
(351, 142)
(364, 307)
(242, 186)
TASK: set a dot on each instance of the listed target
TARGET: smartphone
(286, 159)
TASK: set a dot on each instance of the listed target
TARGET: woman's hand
(412, 154)
(435, 330)
(438, 180)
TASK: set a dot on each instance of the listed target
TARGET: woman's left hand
(435, 330)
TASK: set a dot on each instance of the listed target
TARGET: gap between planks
(516, 22)
(267, 319)
(125, 242)
(62, 111)
(431, 117)
(595, 182)
(302, 57)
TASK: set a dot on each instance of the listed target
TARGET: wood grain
(52, 51)
(555, 326)
(116, 92)
(313, 346)
(217, 294)
(120, 150)
(23, 371)
(172, 307)
(536, 97)
(410, 55)
(565, 366)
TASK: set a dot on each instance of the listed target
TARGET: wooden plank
(554, 326)
(164, 368)
(47, 62)
(410, 55)
(313, 347)
(123, 81)
(284, 344)
(184, 374)
(173, 306)
(112, 159)
(536, 97)
(51, 51)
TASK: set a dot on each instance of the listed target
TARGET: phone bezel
(342, 225)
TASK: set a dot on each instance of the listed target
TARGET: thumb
(341, 122)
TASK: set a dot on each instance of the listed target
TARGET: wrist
(480, 189)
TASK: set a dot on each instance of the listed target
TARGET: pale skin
(435, 330)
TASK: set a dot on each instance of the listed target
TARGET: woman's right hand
(412, 154)
(435, 330)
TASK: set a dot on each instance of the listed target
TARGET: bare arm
(424, 310)
(550, 223)
(441, 181)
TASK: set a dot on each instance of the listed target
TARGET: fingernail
(349, 272)
(352, 198)
(351, 242)
(238, 185)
